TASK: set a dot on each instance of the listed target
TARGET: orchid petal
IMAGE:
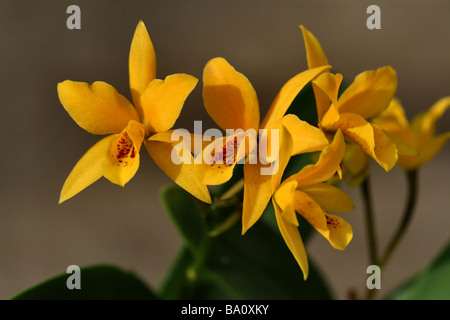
(428, 152)
(306, 138)
(229, 97)
(333, 228)
(216, 163)
(284, 198)
(370, 93)
(98, 108)
(424, 125)
(394, 122)
(293, 240)
(287, 94)
(183, 172)
(257, 193)
(260, 181)
(163, 100)
(141, 64)
(87, 170)
(403, 148)
(122, 161)
(195, 143)
(314, 53)
(327, 165)
(329, 198)
(329, 84)
(370, 138)
(393, 118)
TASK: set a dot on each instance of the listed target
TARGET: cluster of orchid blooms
(365, 121)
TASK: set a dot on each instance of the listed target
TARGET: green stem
(206, 244)
(370, 223)
(194, 270)
(413, 183)
(227, 224)
(234, 189)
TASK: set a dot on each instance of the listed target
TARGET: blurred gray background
(40, 143)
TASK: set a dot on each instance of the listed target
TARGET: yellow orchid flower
(355, 166)
(416, 141)
(100, 109)
(368, 95)
(306, 193)
(231, 101)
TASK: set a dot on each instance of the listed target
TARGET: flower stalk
(234, 190)
(413, 184)
(413, 188)
(370, 222)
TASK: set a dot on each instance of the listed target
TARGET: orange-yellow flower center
(125, 149)
(228, 154)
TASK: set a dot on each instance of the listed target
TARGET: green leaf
(431, 283)
(257, 265)
(176, 284)
(304, 105)
(297, 162)
(185, 213)
(99, 282)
